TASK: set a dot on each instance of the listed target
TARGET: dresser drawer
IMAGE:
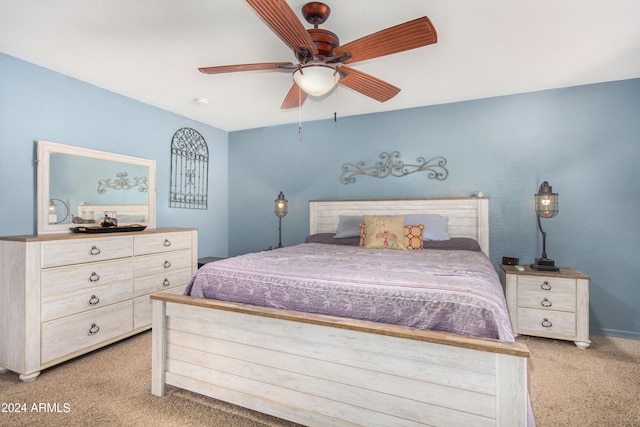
(60, 305)
(162, 242)
(66, 279)
(546, 322)
(547, 285)
(142, 308)
(81, 331)
(161, 263)
(72, 251)
(547, 301)
(160, 282)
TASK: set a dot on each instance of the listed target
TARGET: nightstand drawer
(546, 322)
(547, 300)
(547, 284)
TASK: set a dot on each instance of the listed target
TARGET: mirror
(78, 186)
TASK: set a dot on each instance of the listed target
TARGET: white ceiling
(149, 50)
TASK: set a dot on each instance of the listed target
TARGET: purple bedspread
(452, 291)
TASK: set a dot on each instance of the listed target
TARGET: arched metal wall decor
(189, 186)
(390, 164)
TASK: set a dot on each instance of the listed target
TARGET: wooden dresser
(548, 304)
(63, 295)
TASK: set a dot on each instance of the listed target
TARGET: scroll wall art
(390, 164)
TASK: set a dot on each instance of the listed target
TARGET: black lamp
(280, 209)
(546, 207)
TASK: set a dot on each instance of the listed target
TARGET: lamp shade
(53, 213)
(280, 206)
(316, 79)
(546, 201)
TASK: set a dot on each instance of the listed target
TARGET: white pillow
(436, 227)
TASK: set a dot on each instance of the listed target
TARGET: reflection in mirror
(82, 186)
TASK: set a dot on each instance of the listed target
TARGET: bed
(315, 368)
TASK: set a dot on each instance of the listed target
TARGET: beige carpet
(597, 387)
(111, 387)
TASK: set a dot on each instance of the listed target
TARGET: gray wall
(583, 140)
(36, 103)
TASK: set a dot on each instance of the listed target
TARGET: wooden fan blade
(367, 85)
(410, 35)
(245, 67)
(278, 15)
(294, 99)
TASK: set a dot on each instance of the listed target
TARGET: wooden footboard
(321, 370)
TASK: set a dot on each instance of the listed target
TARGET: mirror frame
(44, 151)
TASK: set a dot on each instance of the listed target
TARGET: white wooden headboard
(468, 216)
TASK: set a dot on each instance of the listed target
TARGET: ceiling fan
(321, 58)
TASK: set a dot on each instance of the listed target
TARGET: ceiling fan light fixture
(316, 79)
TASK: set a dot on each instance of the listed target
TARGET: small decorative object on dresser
(548, 304)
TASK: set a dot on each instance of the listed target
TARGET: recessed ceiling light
(201, 101)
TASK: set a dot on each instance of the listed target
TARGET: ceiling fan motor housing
(317, 13)
(325, 42)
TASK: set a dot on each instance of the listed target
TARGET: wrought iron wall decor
(122, 182)
(390, 164)
(189, 186)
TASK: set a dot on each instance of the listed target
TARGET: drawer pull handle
(546, 323)
(167, 264)
(166, 283)
(94, 300)
(167, 242)
(94, 277)
(545, 286)
(94, 251)
(546, 303)
(94, 329)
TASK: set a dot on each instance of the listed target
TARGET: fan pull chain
(299, 114)
(335, 103)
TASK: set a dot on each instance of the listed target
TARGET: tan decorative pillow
(412, 236)
(384, 232)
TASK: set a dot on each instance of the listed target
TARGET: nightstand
(548, 304)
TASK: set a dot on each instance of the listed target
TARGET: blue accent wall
(584, 140)
(37, 103)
